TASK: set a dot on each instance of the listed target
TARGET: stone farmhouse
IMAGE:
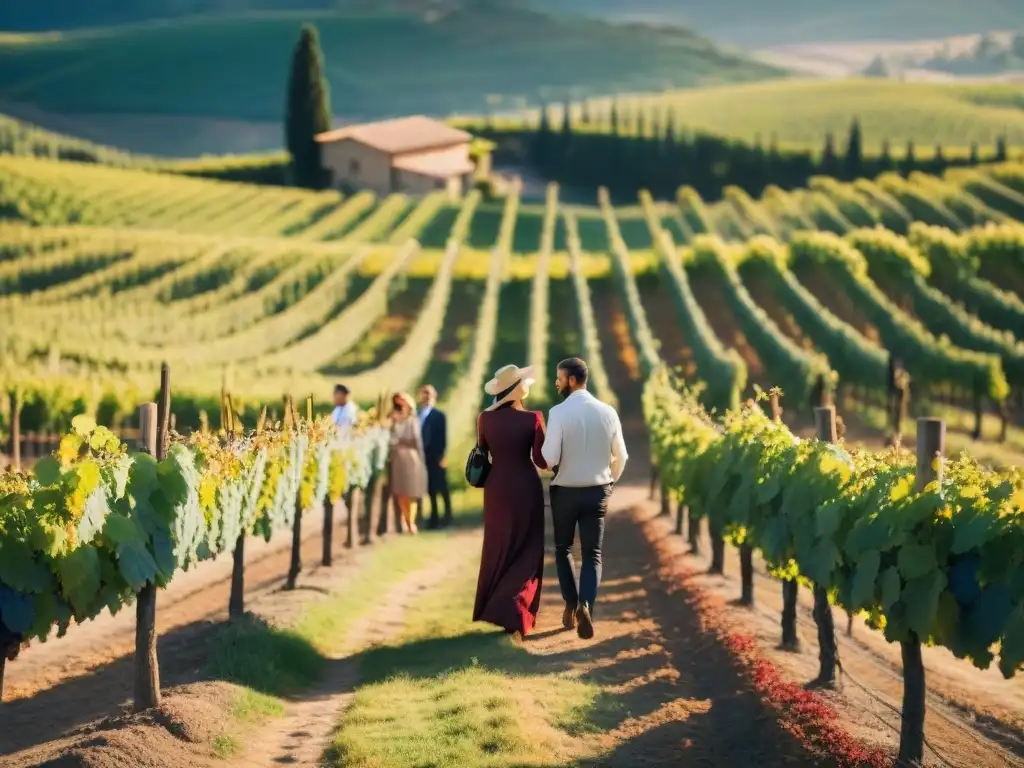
(415, 155)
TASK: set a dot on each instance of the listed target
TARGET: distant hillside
(755, 23)
(379, 64)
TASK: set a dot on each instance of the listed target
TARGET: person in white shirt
(345, 414)
(584, 445)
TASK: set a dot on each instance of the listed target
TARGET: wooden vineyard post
(931, 446)
(236, 602)
(350, 518)
(666, 499)
(717, 549)
(790, 587)
(15, 440)
(384, 526)
(296, 564)
(680, 513)
(372, 505)
(828, 647)
(654, 482)
(153, 420)
(327, 560)
(979, 412)
(693, 531)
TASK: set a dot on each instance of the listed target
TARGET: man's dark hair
(341, 389)
(575, 367)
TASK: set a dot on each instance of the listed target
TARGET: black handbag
(478, 464)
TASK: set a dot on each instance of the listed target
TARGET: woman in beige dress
(408, 464)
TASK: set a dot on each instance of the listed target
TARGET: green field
(800, 112)
(378, 63)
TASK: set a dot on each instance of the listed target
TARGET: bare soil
(672, 694)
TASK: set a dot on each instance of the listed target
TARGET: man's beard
(563, 392)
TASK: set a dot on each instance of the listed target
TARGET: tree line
(641, 150)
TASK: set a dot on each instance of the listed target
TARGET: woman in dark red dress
(512, 565)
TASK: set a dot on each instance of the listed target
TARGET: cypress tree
(909, 159)
(854, 152)
(615, 118)
(975, 157)
(885, 161)
(829, 165)
(308, 111)
(1001, 153)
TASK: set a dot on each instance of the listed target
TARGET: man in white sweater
(585, 447)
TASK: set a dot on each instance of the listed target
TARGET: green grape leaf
(93, 517)
(863, 590)
(768, 490)
(829, 518)
(80, 579)
(166, 562)
(971, 531)
(917, 560)
(136, 565)
(121, 530)
(920, 599)
(17, 610)
(891, 587)
(48, 539)
(19, 570)
(947, 619)
(1011, 650)
(47, 470)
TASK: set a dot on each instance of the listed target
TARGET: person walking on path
(585, 448)
(408, 466)
(345, 414)
(512, 563)
(434, 428)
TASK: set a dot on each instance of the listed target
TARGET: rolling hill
(379, 63)
(751, 23)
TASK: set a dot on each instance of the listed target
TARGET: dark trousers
(437, 483)
(586, 508)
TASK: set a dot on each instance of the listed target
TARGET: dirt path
(975, 717)
(67, 682)
(671, 695)
(302, 735)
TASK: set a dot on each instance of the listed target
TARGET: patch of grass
(271, 662)
(226, 746)
(450, 693)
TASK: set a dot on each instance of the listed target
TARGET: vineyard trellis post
(680, 513)
(666, 497)
(350, 518)
(790, 587)
(931, 444)
(327, 558)
(372, 505)
(296, 561)
(15, 435)
(236, 600)
(828, 647)
(153, 423)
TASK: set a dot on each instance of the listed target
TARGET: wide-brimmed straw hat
(508, 381)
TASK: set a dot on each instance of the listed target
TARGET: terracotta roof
(402, 134)
(438, 166)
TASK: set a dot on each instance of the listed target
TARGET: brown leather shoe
(584, 624)
(569, 618)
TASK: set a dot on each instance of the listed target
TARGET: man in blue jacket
(434, 429)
